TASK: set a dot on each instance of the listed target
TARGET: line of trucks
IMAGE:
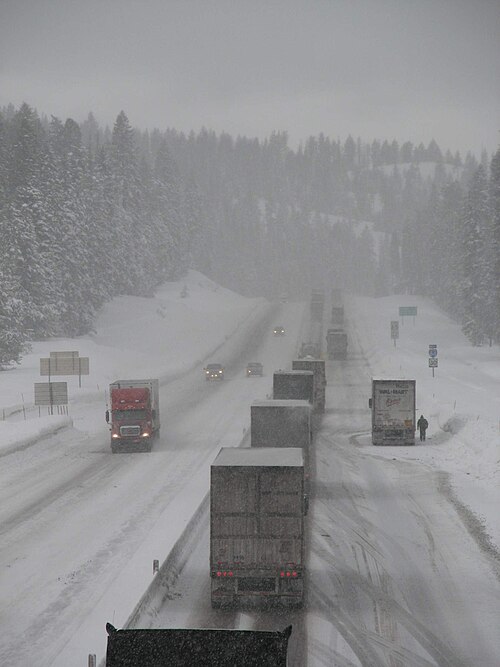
(258, 506)
(259, 497)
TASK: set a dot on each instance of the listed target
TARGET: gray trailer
(196, 647)
(317, 366)
(257, 527)
(284, 423)
(336, 344)
(393, 412)
(337, 319)
(295, 385)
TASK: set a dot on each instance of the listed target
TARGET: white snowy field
(134, 337)
(80, 526)
(461, 402)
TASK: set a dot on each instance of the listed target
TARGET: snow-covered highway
(403, 565)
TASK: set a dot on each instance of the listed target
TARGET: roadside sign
(433, 362)
(406, 311)
(51, 393)
(394, 329)
(64, 366)
(433, 352)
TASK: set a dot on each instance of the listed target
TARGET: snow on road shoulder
(134, 337)
(461, 401)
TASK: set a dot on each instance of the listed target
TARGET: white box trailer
(393, 412)
(257, 531)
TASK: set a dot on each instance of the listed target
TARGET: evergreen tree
(494, 197)
(475, 268)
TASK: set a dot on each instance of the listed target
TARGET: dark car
(254, 368)
(278, 331)
(214, 372)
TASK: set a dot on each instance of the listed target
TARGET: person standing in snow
(422, 425)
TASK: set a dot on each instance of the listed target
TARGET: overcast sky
(387, 69)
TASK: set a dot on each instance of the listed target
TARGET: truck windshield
(129, 416)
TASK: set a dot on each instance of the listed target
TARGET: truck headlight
(145, 434)
(115, 435)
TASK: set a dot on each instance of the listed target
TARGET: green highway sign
(407, 310)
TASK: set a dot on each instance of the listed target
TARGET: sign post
(51, 393)
(433, 357)
(394, 331)
(65, 363)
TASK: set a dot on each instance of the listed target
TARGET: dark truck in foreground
(196, 648)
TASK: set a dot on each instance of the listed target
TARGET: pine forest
(90, 213)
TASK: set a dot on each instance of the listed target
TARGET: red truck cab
(134, 418)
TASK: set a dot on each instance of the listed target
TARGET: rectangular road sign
(394, 329)
(407, 311)
(64, 365)
(51, 393)
(433, 362)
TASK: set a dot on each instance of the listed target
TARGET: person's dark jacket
(422, 423)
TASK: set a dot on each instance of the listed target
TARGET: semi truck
(393, 412)
(317, 366)
(317, 304)
(257, 527)
(336, 344)
(134, 414)
(285, 423)
(278, 423)
(190, 647)
(337, 317)
(295, 385)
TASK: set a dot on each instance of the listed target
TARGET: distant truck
(393, 412)
(214, 372)
(134, 416)
(317, 366)
(336, 344)
(190, 647)
(317, 304)
(257, 526)
(254, 368)
(336, 296)
(295, 385)
(337, 317)
(309, 350)
(285, 423)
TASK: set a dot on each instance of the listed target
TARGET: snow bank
(461, 401)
